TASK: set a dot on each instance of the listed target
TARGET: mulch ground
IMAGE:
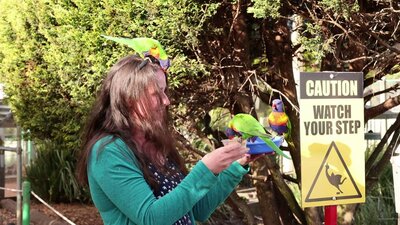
(78, 213)
(6, 217)
(83, 214)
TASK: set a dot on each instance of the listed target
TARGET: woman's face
(162, 85)
(158, 98)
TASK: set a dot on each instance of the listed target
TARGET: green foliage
(56, 64)
(183, 69)
(379, 207)
(346, 9)
(53, 59)
(261, 62)
(219, 119)
(52, 175)
(395, 72)
(313, 43)
(265, 8)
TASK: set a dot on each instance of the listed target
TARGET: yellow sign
(332, 138)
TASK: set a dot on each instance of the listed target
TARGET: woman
(131, 164)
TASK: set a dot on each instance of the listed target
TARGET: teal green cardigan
(122, 196)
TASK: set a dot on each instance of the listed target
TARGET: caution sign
(332, 138)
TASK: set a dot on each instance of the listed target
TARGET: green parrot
(246, 126)
(144, 46)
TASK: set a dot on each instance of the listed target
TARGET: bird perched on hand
(145, 47)
(247, 127)
(278, 119)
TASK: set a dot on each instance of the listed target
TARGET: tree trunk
(266, 194)
(349, 214)
(313, 215)
(268, 206)
(284, 209)
(241, 208)
(279, 53)
(284, 190)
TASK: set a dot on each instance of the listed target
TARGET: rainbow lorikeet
(145, 47)
(247, 127)
(278, 119)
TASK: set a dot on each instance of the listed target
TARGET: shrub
(52, 174)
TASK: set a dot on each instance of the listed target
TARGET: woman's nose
(165, 100)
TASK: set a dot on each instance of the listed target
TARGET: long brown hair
(118, 111)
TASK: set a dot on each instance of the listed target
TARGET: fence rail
(2, 148)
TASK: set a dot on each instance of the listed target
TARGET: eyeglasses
(147, 59)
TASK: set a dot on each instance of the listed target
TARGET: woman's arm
(227, 181)
(115, 170)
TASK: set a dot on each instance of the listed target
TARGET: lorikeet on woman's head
(145, 47)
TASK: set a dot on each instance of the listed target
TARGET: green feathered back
(249, 127)
(140, 45)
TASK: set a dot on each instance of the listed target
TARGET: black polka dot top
(167, 183)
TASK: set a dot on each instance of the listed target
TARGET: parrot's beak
(274, 106)
(230, 133)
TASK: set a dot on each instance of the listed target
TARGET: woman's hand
(247, 158)
(221, 158)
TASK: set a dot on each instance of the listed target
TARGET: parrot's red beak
(274, 106)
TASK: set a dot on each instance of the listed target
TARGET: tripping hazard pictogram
(333, 180)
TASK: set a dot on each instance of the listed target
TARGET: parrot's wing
(140, 45)
(255, 133)
(271, 144)
(260, 134)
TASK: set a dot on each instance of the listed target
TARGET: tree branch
(186, 145)
(234, 20)
(265, 178)
(367, 30)
(376, 171)
(381, 108)
(395, 87)
(372, 158)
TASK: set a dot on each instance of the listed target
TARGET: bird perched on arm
(278, 119)
(145, 47)
(246, 126)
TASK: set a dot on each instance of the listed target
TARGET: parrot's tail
(271, 144)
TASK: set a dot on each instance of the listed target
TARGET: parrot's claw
(284, 143)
